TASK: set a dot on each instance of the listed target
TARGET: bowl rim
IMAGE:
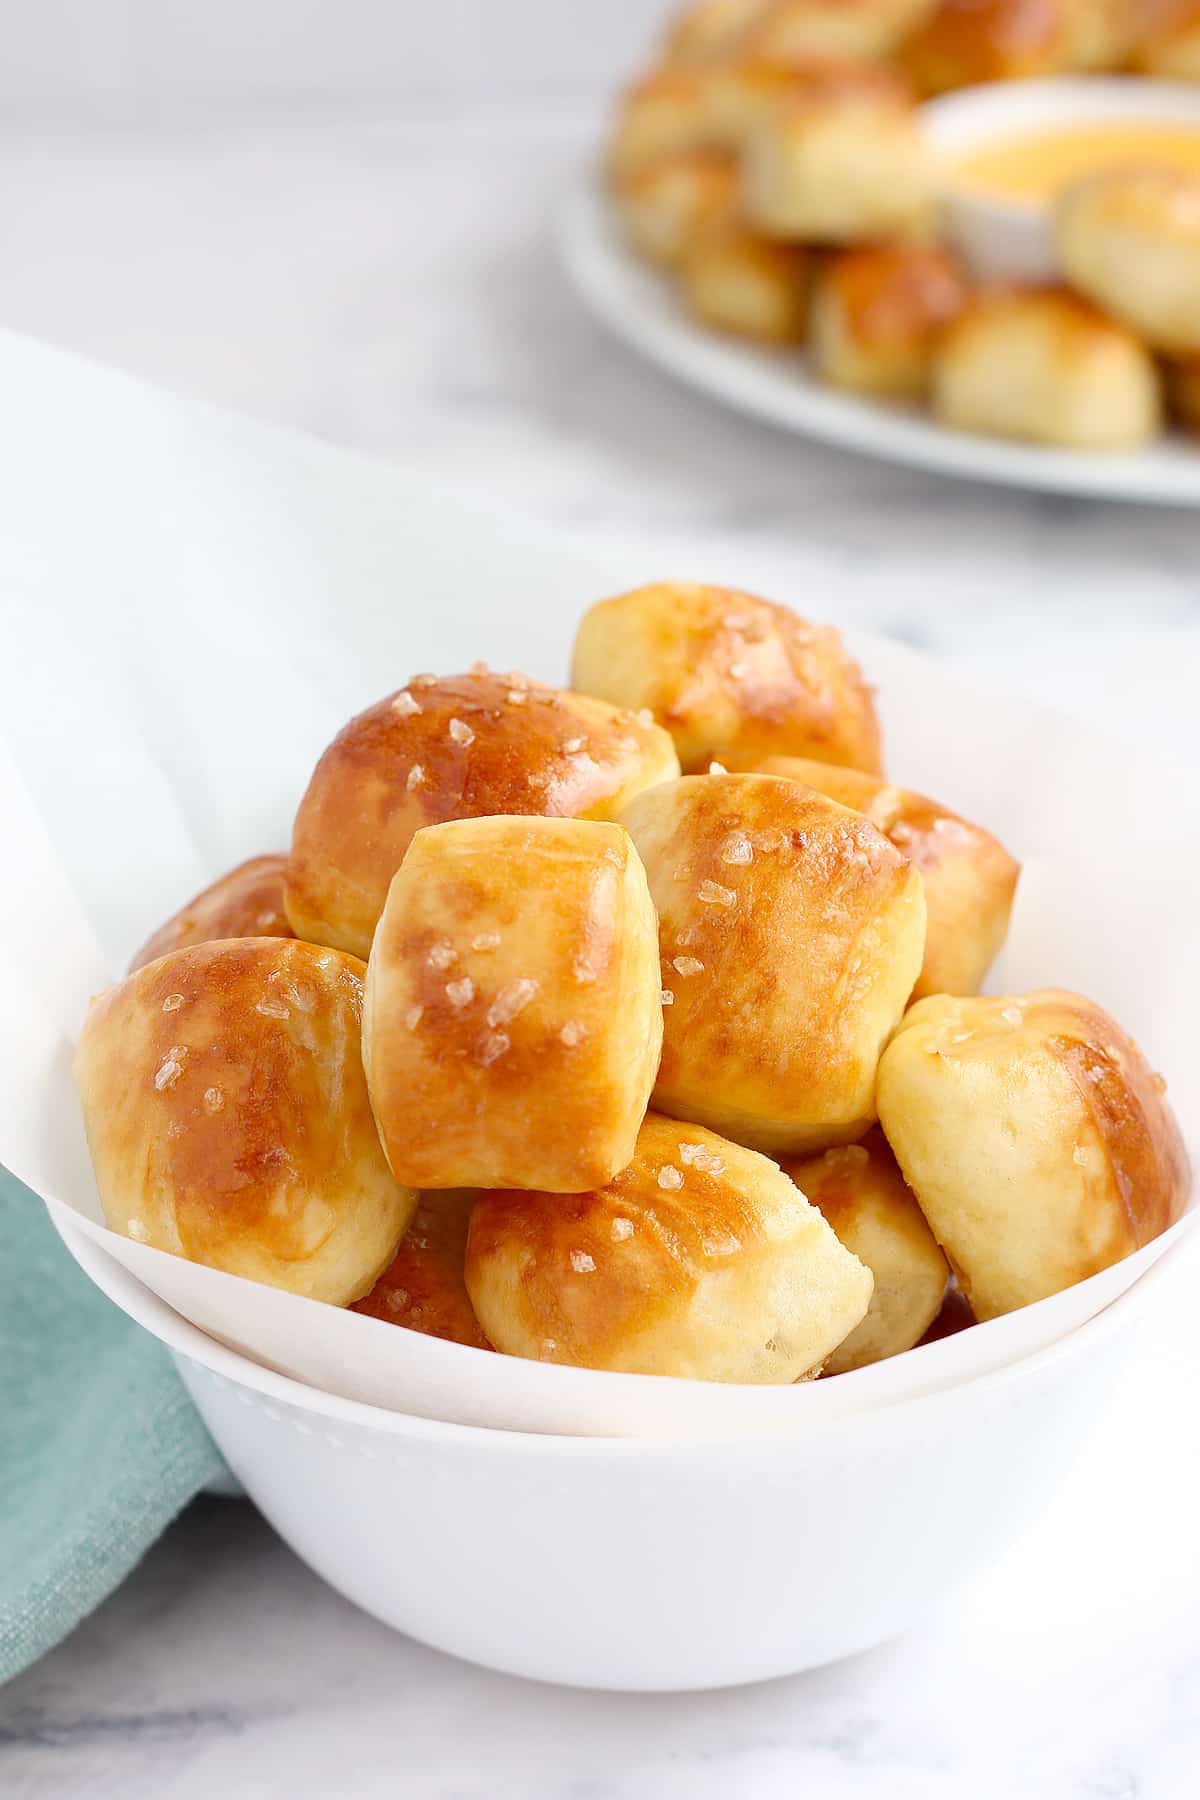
(972, 115)
(226, 1365)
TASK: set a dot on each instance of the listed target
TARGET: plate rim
(744, 377)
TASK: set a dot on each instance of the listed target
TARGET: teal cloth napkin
(100, 1445)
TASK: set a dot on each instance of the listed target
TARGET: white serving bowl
(1013, 240)
(619, 1563)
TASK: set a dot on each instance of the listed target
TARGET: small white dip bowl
(1010, 239)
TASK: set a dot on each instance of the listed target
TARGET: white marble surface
(388, 280)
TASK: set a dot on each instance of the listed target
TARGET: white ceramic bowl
(640, 1565)
(1012, 239)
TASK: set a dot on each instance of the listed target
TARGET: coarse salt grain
(572, 745)
(415, 777)
(770, 840)
(516, 696)
(462, 734)
(711, 893)
(170, 1068)
(214, 1099)
(699, 1156)
(413, 1017)
(405, 704)
(686, 936)
(486, 940)
(667, 997)
(461, 992)
(1011, 1015)
(272, 1009)
(738, 849)
(622, 1229)
(688, 965)
(582, 970)
(582, 1263)
(670, 1177)
(491, 1047)
(1079, 1155)
(396, 1299)
(717, 768)
(137, 1231)
(573, 1033)
(172, 1003)
(513, 998)
(441, 954)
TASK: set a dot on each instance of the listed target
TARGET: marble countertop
(389, 281)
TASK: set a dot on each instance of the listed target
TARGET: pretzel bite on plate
(1036, 1138)
(709, 29)
(1129, 239)
(967, 42)
(836, 30)
(247, 902)
(969, 877)
(699, 1259)
(791, 933)
(736, 281)
(461, 746)
(1104, 34)
(862, 1194)
(1041, 365)
(877, 314)
(840, 159)
(513, 1018)
(728, 675)
(1171, 48)
(667, 206)
(667, 111)
(227, 1116)
(423, 1286)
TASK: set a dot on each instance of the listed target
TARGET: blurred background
(341, 219)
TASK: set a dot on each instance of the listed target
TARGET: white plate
(642, 307)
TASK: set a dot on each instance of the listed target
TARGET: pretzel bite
(1171, 47)
(836, 30)
(1104, 34)
(667, 111)
(1042, 365)
(698, 1259)
(247, 902)
(739, 282)
(464, 746)
(877, 315)
(423, 1286)
(791, 933)
(1183, 389)
(1129, 239)
(667, 206)
(862, 1194)
(227, 1116)
(728, 674)
(513, 1020)
(1035, 1137)
(840, 160)
(967, 42)
(709, 28)
(969, 877)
